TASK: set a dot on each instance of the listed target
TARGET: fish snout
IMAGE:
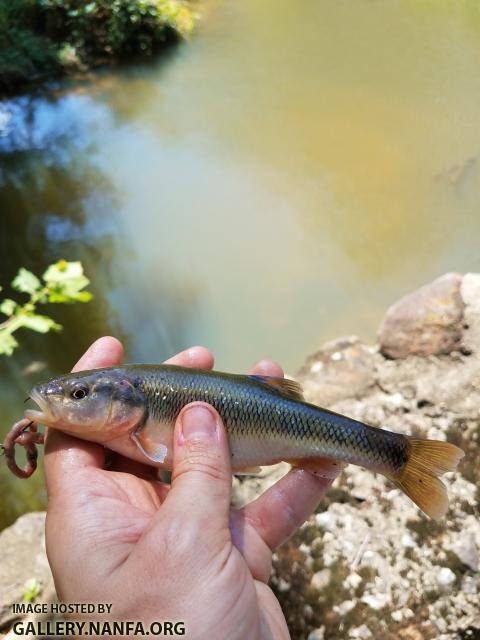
(51, 388)
(43, 395)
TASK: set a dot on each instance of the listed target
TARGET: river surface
(273, 183)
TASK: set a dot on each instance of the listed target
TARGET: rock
(352, 581)
(362, 632)
(470, 292)
(23, 558)
(377, 601)
(445, 577)
(466, 543)
(426, 322)
(411, 633)
(341, 369)
(344, 607)
(402, 614)
(407, 541)
(321, 579)
(283, 585)
(326, 520)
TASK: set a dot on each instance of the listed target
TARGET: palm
(128, 503)
(113, 509)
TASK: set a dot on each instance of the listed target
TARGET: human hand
(176, 552)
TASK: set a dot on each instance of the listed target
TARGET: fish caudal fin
(427, 460)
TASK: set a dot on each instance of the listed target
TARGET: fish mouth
(44, 416)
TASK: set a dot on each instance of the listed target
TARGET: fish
(132, 409)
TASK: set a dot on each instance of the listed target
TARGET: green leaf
(31, 590)
(8, 307)
(84, 296)
(26, 282)
(62, 271)
(36, 322)
(66, 281)
(7, 343)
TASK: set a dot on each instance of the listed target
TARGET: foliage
(62, 282)
(116, 27)
(41, 37)
(24, 53)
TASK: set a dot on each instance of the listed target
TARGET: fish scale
(252, 409)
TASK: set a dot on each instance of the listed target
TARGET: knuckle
(200, 458)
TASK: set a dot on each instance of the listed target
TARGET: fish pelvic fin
(419, 478)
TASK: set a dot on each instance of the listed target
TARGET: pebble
(445, 577)
(407, 541)
(283, 585)
(344, 607)
(321, 579)
(326, 520)
(362, 632)
(396, 400)
(352, 581)
(465, 549)
(376, 601)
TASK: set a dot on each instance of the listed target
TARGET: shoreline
(367, 564)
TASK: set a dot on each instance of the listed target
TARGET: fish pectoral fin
(150, 447)
(288, 388)
(247, 471)
(322, 467)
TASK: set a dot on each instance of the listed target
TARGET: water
(274, 183)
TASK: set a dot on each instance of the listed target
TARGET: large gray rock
(342, 369)
(470, 292)
(427, 322)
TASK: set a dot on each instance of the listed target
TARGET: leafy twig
(62, 282)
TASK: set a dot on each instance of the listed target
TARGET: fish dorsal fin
(288, 388)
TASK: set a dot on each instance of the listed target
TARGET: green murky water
(274, 183)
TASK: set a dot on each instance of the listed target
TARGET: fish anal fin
(427, 460)
(288, 388)
(327, 468)
(151, 444)
(247, 471)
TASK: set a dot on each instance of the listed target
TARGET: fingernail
(198, 422)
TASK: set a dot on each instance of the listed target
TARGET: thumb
(202, 477)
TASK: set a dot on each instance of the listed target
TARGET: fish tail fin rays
(419, 478)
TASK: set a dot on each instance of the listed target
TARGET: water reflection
(57, 202)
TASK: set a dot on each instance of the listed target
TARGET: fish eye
(79, 392)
